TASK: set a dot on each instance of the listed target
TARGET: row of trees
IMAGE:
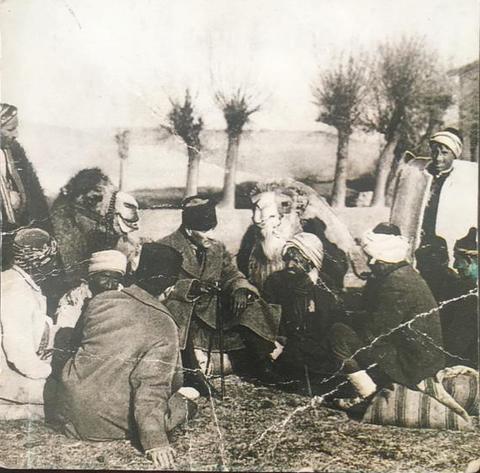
(237, 108)
(401, 92)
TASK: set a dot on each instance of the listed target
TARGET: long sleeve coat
(402, 324)
(308, 312)
(126, 368)
(218, 267)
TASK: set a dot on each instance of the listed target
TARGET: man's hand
(240, 299)
(199, 288)
(162, 457)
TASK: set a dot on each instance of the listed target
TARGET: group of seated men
(140, 336)
(139, 340)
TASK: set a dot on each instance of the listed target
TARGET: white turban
(108, 260)
(309, 245)
(383, 247)
(450, 140)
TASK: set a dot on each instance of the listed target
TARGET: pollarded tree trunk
(384, 166)
(339, 192)
(228, 199)
(192, 171)
(121, 178)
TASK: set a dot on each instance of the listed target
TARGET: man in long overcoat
(207, 274)
(123, 380)
(399, 339)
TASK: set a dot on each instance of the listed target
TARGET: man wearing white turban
(309, 308)
(436, 195)
(399, 337)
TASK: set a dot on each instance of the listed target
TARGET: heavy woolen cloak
(392, 298)
(457, 206)
(124, 371)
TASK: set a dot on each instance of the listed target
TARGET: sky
(103, 63)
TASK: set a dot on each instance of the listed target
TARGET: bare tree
(122, 139)
(339, 97)
(406, 82)
(237, 108)
(184, 124)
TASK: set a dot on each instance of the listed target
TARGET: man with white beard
(278, 215)
(272, 231)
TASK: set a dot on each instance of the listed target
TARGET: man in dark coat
(23, 200)
(400, 333)
(432, 263)
(129, 353)
(207, 273)
(460, 316)
(309, 308)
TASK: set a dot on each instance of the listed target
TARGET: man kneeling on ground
(119, 382)
(399, 339)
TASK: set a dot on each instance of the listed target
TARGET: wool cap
(107, 260)
(198, 213)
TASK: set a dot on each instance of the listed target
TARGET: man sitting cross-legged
(120, 381)
(26, 332)
(309, 308)
(399, 339)
(214, 302)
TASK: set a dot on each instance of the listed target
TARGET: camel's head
(125, 213)
(91, 190)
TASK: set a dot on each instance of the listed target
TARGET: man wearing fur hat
(208, 273)
(309, 308)
(399, 338)
(127, 348)
(436, 195)
(23, 200)
(27, 332)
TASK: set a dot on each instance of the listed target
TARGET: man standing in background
(436, 196)
(23, 200)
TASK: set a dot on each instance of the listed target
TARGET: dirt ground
(255, 429)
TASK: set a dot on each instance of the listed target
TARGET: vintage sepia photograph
(240, 235)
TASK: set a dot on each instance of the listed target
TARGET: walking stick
(307, 379)
(220, 341)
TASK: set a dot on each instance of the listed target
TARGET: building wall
(468, 102)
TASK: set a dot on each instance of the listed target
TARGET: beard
(266, 258)
(274, 237)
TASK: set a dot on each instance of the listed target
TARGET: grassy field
(228, 436)
(255, 428)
